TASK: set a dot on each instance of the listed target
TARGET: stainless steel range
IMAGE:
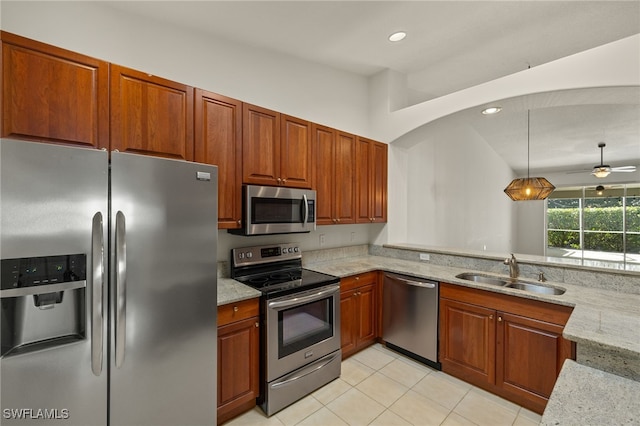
(300, 312)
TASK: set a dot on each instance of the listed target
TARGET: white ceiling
(451, 45)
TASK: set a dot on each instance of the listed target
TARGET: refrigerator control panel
(37, 271)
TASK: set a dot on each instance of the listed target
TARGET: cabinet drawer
(237, 311)
(354, 281)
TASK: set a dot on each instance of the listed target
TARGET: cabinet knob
(499, 319)
(239, 222)
(284, 181)
(490, 317)
(355, 293)
(279, 180)
(235, 309)
(357, 278)
(257, 324)
(338, 220)
(335, 220)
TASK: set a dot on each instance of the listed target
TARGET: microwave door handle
(306, 209)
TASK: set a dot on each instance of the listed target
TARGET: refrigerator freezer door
(52, 198)
(163, 291)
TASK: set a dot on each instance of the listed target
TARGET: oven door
(301, 328)
(276, 210)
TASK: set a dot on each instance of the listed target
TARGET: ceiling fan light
(601, 171)
(526, 189)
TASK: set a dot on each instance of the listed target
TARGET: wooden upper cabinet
(276, 149)
(379, 182)
(324, 141)
(151, 115)
(52, 94)
(334, 175)
(296, 157)
(260, 145)
(371, 181)
(218, 141)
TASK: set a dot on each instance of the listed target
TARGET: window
(595, 228)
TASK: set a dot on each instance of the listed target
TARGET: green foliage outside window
(563, 224)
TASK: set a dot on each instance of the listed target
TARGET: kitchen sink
(481, 278)
(510, 283)
(535, 288)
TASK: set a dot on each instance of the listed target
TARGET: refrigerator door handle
(121, 288)
(97, 309)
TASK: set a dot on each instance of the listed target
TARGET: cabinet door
(151, 115)
(467, 341)
(324, 143)
(260, 146)
(345, 179)
(366, 314)
(295, 152)
(348, 322)
(218, 141)
(363, 180)
(52, 94)
(529, 355)
(238, 367)
(379, 182)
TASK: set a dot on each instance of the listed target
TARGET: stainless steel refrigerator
(108, 288)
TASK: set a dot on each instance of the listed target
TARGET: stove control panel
(255, 255)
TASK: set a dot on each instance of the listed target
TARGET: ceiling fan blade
(570, 172)
(624, 169)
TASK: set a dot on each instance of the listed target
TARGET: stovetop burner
(275, 270)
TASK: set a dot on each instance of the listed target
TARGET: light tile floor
(381, 387)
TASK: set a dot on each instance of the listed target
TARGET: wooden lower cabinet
(358, 312)
(238, 358)
(508, 345)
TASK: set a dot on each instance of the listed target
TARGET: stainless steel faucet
(513, 266)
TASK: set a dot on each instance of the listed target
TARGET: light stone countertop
(587, 396)
(608, 319)
(230, 291)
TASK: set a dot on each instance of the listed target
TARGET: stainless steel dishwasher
(410, 317)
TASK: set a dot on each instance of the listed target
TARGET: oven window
(304, 326)
(275, 210)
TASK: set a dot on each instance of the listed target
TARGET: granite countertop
(608, 319)
(587, 396)
(230, 291)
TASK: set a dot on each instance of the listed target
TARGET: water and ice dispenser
(43, 302)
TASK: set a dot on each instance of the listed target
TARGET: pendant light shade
(529, 188)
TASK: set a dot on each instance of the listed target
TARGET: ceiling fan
(603, 170)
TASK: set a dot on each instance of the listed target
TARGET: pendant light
(531, 188)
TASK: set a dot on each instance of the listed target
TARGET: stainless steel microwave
(277, 210)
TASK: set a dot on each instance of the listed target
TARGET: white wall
(454, 189)
(286, 84)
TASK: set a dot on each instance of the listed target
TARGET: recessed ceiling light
(491, 110)
(397, 36)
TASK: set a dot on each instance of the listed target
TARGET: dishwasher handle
(423, 284)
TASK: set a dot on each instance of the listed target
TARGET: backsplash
(620, 281)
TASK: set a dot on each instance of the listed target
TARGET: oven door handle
(296, 301)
